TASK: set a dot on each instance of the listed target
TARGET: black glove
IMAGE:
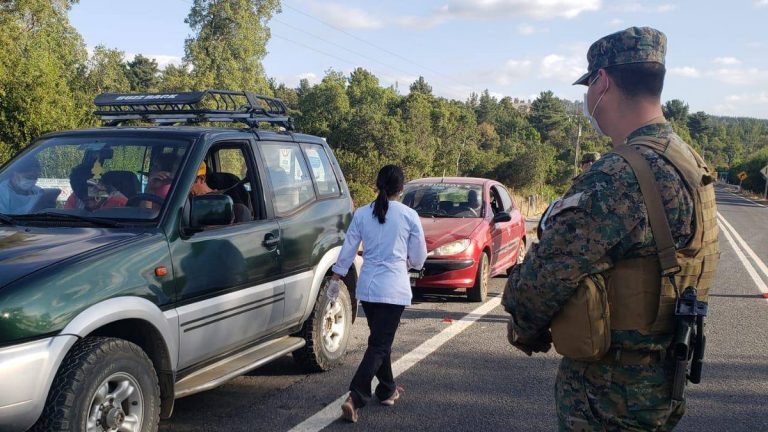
(541, 343)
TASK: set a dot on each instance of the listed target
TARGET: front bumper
(26, 373)
(447, 273)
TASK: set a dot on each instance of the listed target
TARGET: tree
(143, 74)
(175, 79)
(421, 86)
(42, 67)
(229, 43)
(699, 126)
(676, 110)
(107, 72)
(548, 115)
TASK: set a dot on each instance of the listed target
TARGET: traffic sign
(742, 176)
(764, 171)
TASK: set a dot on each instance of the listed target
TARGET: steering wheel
(136, 199)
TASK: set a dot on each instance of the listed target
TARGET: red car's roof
(462, 180)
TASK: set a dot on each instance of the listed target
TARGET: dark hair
(389, 182)
(638, 79)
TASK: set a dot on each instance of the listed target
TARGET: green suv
(140, 264)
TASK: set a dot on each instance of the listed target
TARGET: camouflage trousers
(604, 397)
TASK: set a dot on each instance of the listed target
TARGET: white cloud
(528, 30)
(346, 17)
(761, 3)
(740, 76)
(502, 9)
(562, 68)
(616, 22)
(514, 71)
(686, 71)
(727, 61)
(743, 104)
(635, 7)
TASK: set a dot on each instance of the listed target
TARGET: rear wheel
(479, 291)
(104, 384)
(326, 331)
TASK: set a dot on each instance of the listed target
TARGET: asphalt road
(475, 381)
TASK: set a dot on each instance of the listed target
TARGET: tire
(326, 331)
(479, 291)
(95, 370)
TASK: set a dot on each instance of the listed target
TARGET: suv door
(230, 292)
(306, 205)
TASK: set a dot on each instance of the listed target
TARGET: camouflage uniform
(602, 216)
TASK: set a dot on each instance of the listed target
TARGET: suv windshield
(444, 200)
(86, 180)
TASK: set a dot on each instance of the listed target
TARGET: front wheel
(326, 331)
(479, 291)
(104, 384)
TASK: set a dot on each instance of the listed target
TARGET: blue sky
(717, 55)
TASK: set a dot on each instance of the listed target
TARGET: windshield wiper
(7, 219)
(49, 215)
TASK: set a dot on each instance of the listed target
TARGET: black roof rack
(192, 107)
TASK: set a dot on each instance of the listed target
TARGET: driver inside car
(92, 193)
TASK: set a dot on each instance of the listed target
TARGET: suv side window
(506, 200)
(229, 173)
(322, 172)
(291, 183)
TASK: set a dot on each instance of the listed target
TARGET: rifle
(689, 343)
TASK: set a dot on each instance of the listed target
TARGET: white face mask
(590, 116)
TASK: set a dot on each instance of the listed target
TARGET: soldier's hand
(541, 343)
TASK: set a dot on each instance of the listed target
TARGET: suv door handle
(271, 241)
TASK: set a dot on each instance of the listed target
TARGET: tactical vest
(640, 298)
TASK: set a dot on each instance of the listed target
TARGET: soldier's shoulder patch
(570, 201)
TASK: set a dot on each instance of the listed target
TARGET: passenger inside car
(90, 192)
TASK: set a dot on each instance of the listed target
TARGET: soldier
(587, 159)
(601, 231)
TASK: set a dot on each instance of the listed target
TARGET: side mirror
(212, 209)
(501, 217)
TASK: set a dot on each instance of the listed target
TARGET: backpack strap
(662, 234)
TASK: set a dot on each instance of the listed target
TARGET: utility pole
(576, 158)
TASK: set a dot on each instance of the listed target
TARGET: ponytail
(380, 206)
(389, 182)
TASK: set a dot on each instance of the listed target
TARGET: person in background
(19, 193)
(394, 242)
(587, 159)
(90, 193)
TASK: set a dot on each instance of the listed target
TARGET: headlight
(451, 248)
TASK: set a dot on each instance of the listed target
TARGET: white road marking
(747, 265)
(331, 412)
(760, 264)
(746, 199)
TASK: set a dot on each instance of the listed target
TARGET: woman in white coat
(393, 242)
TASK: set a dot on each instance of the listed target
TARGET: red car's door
(509, 232)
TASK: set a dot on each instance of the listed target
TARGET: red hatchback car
(473, 230)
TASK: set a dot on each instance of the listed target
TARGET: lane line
(760, 264)
(747, 265)
(756, 204)
(332, 411)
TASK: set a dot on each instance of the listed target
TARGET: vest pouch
(582, 328)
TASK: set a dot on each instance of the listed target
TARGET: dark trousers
(383, 320)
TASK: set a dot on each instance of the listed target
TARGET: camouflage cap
(633, 45)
